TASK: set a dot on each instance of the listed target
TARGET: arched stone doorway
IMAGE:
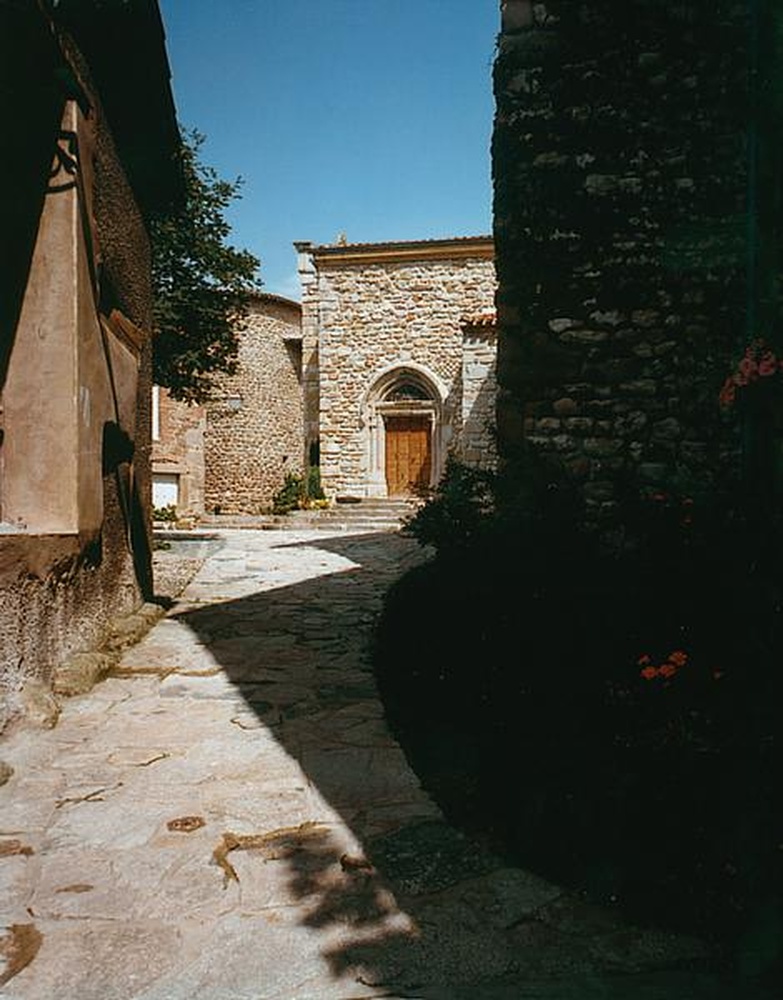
(404, 432)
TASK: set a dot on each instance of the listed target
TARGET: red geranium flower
(748, 366)
(649, 673)
(728, 393)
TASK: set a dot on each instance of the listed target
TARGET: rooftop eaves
(453, 247)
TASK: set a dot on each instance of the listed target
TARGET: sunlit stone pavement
(229, 817)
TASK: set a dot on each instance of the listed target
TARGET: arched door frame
(376, 405)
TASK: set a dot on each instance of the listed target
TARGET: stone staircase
(365, 514)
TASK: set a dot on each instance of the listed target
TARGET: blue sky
(365, 117)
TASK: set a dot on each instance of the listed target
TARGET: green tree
(202, 285)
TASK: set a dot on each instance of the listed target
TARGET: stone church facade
(386, 368)
(398, 361)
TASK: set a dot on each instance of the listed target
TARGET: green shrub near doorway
(300, 492)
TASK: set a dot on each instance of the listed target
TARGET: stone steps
(365, 514)
(371, 513)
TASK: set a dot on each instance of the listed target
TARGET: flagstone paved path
(228, 818)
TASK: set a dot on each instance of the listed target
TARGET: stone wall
(479, 392)
(624, 254)
(254, 431)
(381, 308)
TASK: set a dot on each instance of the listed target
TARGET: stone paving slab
(229, 817)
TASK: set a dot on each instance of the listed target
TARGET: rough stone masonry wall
(620, 225)
(377, 315)
(248, 450)
(479, 393)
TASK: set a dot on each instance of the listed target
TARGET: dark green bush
(298, 491)
(290, 495)
(533, 503)
(458, 510)
(167, 513)
(313, 489)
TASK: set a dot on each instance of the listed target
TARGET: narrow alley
(227, 816)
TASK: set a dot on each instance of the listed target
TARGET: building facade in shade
(637, 173)
(95, 153)
(397, 361)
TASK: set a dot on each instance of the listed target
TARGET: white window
(165, 489)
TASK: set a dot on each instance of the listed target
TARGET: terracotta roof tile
(259, 296)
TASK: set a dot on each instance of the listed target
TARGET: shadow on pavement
(408, 905)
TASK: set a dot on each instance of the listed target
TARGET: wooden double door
(408, 453)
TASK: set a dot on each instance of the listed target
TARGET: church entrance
(408, 453)
(403, 430)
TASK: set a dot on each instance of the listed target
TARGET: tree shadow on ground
(404, 902)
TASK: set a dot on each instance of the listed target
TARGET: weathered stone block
(600, 184)
(124, 632)
(584, 336)
(578, 425)
(546, 425)
(639, 387)
(81, 673)
(602, 446)
(610, 317)
(565, 406)
(667, 430)
(562, 323)
(38, 705)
